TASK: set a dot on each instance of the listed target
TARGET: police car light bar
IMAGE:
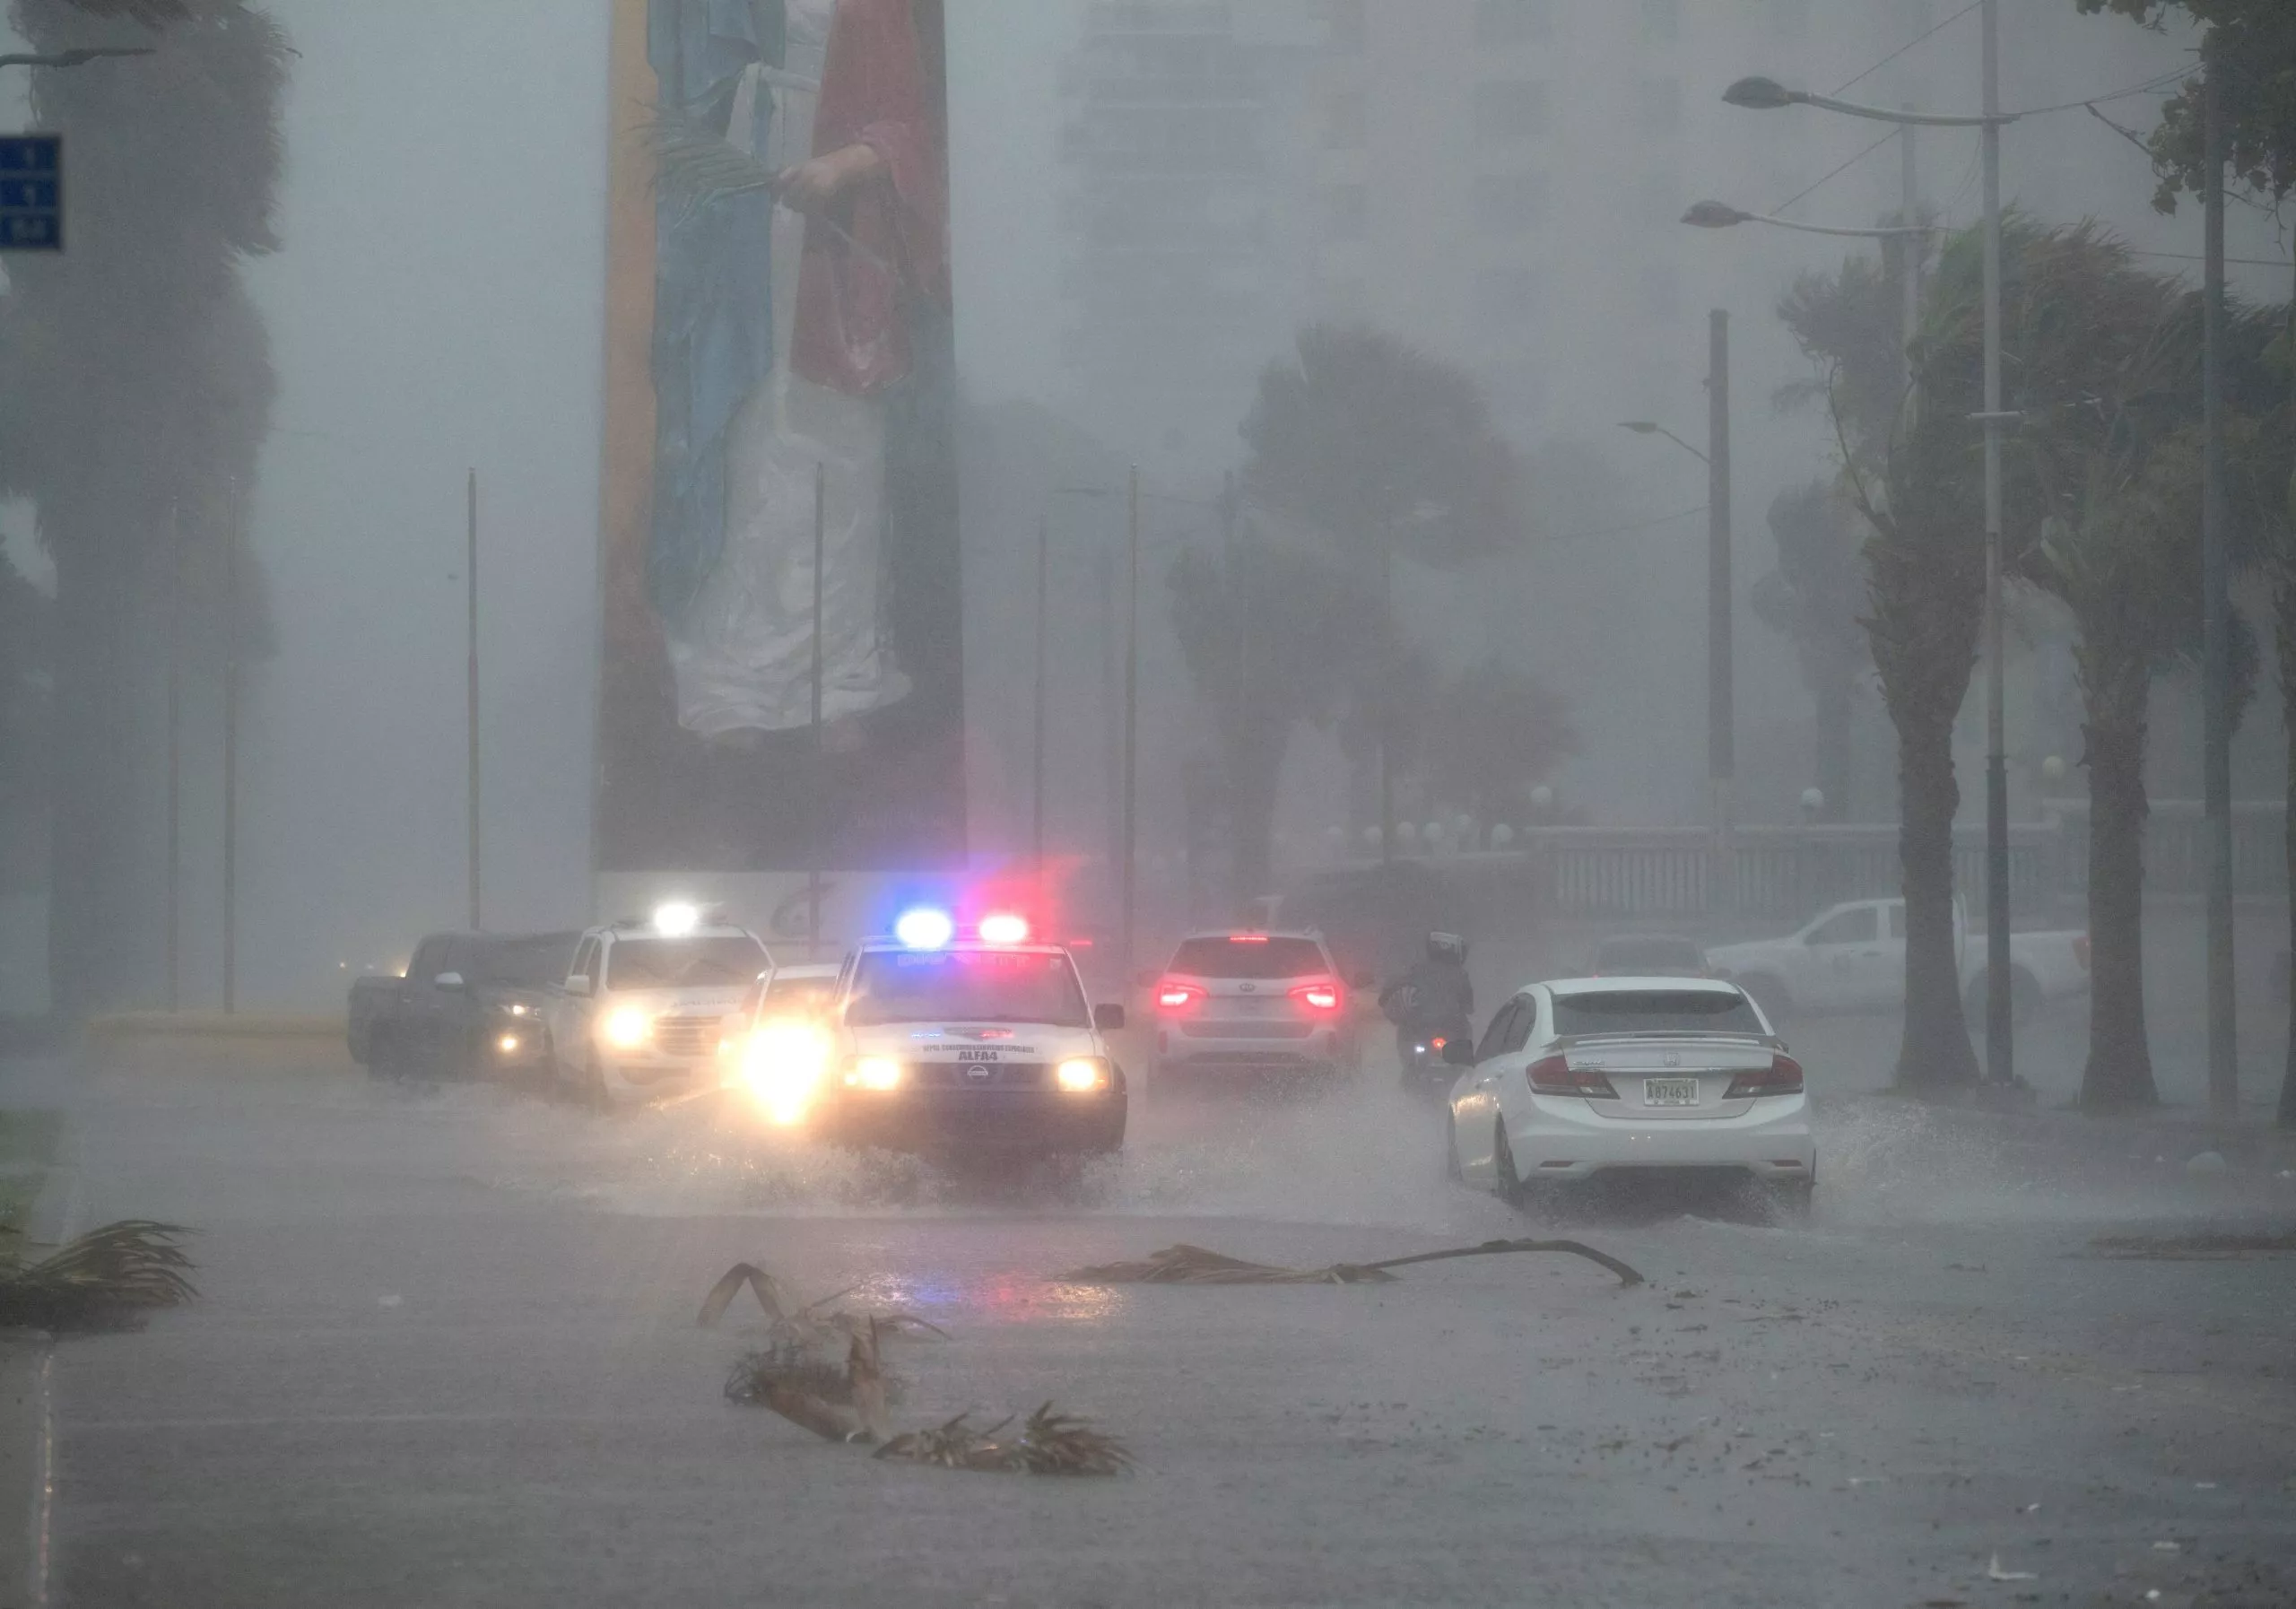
(1004, 928)
(923, 928)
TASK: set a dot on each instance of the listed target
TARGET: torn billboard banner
(780, 309)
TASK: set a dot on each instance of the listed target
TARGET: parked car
(1232, 1004)
(1851, 956)
(469, 1005)
(1649, 956)
(1588, 1075)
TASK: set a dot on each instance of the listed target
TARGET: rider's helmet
(1446, 946)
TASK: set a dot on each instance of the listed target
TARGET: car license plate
(1670, 1091)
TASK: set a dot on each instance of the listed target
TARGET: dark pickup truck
(470, 1007)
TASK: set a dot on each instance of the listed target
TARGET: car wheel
(1507, 1183)
(1789, 1199)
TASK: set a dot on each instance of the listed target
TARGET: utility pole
(1912, 246)
(2000, 1045)
(1387, 703)
(1720, 747)
(470, 560)
(1036, 745)
(231, 757)
(2215, 568)
(175, 757)
(818, 794)
(1131, 717)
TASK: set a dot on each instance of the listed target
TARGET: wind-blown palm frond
(1194, 1266)
(696, 166)
(106, 1277)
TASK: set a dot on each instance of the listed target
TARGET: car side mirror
(1108, 1019)
(1458, 1053)
(447, 980)
(579, 984)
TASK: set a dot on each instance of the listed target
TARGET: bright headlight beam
(876, 1073)
(627, 1027)
(1078, 1074)
(783, 1064)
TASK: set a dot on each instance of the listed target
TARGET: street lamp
(73, 58)
(1764, 94)
(1719, 215)
(1647, 427)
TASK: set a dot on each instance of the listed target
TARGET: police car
(646, 1006)
(937, 1041)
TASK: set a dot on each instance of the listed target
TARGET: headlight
(627, 1027)
(783, 1063)
(1080, 1075)
(507, 1044)
(517, 1008)
(875, 1073)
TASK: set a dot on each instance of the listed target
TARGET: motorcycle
(1428, 1073)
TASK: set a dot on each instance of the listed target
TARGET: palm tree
(1813, 599)
(1273, 635)
(138, 383)
(1911, 473)
(1495, 732)
(1385, 453)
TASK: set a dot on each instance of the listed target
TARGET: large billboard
(781, 665)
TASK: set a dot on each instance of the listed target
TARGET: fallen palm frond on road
(1050, 1443)
(2200, 1248)
(848, 1405)
(105, 1278)
(1195, 1266)
(801, 1324)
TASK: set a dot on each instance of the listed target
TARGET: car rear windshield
(966, 985)
(1251, 958)
(527, 963)
(1622, 954)
(1651, 1011)
(673, 963)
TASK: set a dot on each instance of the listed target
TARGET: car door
(1844, 955)
(569, 1012)
(415, 1031)
(1889, 983)
(1475, 1097)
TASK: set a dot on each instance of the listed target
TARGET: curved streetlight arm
(1717, 214)
(1767, 94)
(1647, 427)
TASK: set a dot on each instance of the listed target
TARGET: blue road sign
(31, 193)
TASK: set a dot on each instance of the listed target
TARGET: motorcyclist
(1433, 1000)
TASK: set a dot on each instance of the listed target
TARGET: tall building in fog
(1179, 216)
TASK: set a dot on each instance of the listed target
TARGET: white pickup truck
(1851, 957)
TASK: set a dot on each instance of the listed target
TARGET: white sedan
(1585, 1075)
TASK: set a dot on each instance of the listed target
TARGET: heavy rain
(1431, 801)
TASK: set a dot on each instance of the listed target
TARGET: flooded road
(446, 1353)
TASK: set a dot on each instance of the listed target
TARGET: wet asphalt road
(447, 1355)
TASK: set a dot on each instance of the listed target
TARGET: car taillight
(1177, 997)
(1554, 1075)
(1318, 997)
(1783, 1076)
(2080, 949)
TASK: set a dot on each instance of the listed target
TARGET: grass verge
(28, 1141)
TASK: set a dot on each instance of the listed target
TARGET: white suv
(646, 1006)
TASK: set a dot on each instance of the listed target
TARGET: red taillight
(1248, 938)
(1554, 1075)
(1318, 997)
(2080, 949)
(1177, 997)
(1783, 1076)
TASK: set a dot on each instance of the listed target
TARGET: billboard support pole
(815, 796)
